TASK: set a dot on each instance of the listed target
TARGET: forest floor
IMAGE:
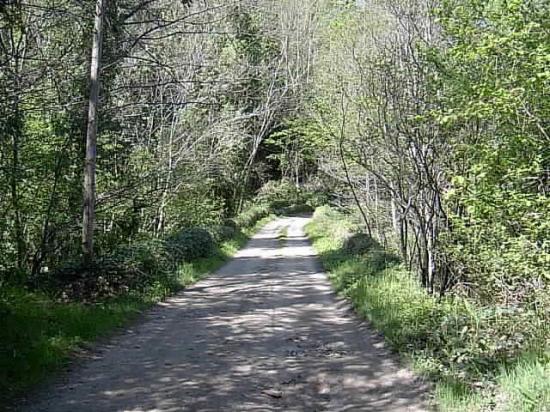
(265, 332)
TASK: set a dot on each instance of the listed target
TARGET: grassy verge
(479, 358)
(38, 335)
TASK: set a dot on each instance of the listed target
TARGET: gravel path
(264, 333)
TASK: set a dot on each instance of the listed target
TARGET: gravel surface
(263, 333)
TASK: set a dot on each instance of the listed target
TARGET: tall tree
(88, 220)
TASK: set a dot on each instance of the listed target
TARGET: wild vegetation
(481, 357)
(139, 139)
(43, 327)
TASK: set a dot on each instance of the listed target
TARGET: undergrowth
(41, 331)
(480, 358)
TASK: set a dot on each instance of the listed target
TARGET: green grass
(523, 386)
(526, 386)
(39, 335)
(479, 358)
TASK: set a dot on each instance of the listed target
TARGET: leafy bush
(150, 256)
(129, 269)
(222, 232)
(147, 267)
(360, 243)
(283, 196)
(316, 193)
(102, 279)
(250, 216)
(230, 223)
(315, 199)
(295, 209)
(189, 244)
(278, 194)
(195, 205)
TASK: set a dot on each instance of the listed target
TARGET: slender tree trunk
(403, 237)
(345, 166)
(88, 220)
(394, 218)
(431, 259)
(167, 183)
(16, 126)
(41, 251)
(19, 239)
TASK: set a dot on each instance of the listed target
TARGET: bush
(360, 243)
(189, 244)
(104, 278)
(221, 233)
(128, 269)
(279, 194)
(250, 216)
(285, 197)
(295, 209)
(150, 256)
(230, 223)
(147, 267)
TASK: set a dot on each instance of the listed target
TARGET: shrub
(189, 244)
(359, 244)
(147, 267)
(295, 209)
(279, 194)
(250, 216)
(128, 269)
(285, 197)
(230, 223)
(221, 233)
(195, 205)
(150, 256)
(316, 199)
(104, 278)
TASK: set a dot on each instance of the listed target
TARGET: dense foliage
(190, 91)
(481, 357)
(495, 109)
(436, 115)
(435, 123)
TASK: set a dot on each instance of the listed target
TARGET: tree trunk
(19, 236)
(345, 166)
(88, 220)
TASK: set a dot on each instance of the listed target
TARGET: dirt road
(264, 333)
